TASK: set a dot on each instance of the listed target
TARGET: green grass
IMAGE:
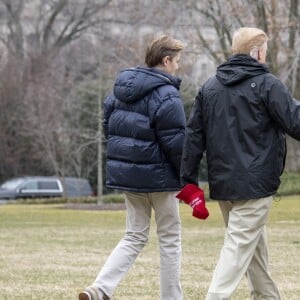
(50, 253)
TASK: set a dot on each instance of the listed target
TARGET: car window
(30, 185)
(48, 185)
(12, 184)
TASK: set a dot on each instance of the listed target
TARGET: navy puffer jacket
(144, 123)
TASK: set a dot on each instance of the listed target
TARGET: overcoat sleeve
(194, 144)
(284, 110)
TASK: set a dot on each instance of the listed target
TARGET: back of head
(248, 40)
(161, 47)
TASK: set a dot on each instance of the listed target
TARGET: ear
(255, 54)
(165, 61)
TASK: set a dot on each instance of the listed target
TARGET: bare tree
(70, 54)
(59, 59)
(36, 36)
(49, 26)
(278, 19)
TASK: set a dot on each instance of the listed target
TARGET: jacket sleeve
(284, 109)
(194, 144)
(170, 130)
(108, 108)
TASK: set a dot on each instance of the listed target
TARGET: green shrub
(290, 184)
(110, 198)
(58, 200)
(113, 198)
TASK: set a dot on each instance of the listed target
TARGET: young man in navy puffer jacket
(144, 123)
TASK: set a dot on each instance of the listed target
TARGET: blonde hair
(248, 40)
(161, 47)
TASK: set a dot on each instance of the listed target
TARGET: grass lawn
(51, 253)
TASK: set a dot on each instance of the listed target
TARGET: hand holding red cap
(192, 195)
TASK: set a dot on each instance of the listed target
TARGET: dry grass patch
(49, 253)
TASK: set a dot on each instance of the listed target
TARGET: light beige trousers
(244, 251)
(139, 207)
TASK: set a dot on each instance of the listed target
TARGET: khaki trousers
(139, 207)
(244, 251)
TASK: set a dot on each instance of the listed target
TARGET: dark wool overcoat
(240, 118)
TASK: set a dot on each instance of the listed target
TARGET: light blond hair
(248, 40)
(161, 47)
